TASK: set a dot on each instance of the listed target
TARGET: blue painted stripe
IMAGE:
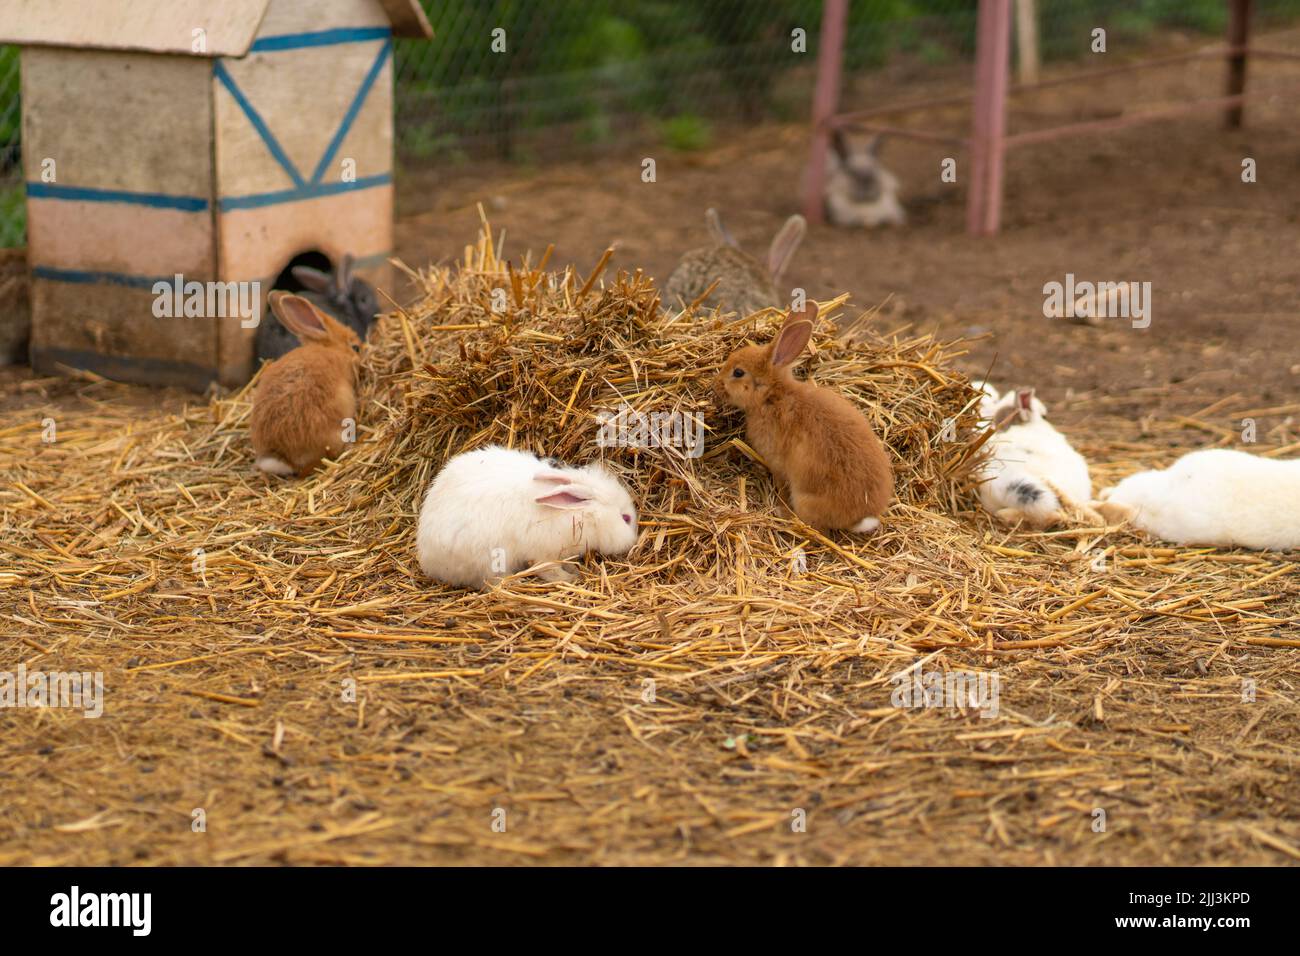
(350, 116)
(219, 70)
(312, 191)
(88, 194)
(82, 277)
(298, 41)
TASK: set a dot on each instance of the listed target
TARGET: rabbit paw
(1114, 512)
(559, 571)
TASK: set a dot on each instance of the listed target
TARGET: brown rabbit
(305, 397)
(814, 440)
(744, 284)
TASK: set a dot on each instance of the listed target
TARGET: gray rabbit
(348, 298)
(744, 284)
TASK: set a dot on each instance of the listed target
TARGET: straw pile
(732, 674)
(537, 375)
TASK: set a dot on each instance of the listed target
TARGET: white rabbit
(860, 191)
(1031, 473)
(496, 511)
(1217, 497)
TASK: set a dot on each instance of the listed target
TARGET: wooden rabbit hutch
(191, 141)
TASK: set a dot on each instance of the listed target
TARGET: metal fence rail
(523, 79)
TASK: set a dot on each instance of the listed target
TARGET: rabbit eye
(627, 519)
(738, 373)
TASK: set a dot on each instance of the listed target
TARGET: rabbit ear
(313, 279)
(717, 228)
(298, 316)
(790, 341)
(840, 144)
(784, 245)
(345, 273)
(1025, 403)
(808, 313)
(567, 497)
(873, 145)
(549, 477)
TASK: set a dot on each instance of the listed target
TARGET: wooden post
(992, 55)
(826, 95)
(1238, 37)
(1027, 58)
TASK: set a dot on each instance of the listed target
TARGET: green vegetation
(10, 117)
(687, 132)
(594, 66)
(13, 211)
(13, 216)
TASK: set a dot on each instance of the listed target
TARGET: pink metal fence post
(1238, 36)
(992, 63)
(989, 139)
(830, 55)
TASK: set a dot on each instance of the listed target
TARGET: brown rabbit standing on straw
(305, 397)
(813, 439)
(744, 284)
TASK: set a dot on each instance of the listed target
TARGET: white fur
(1030, 465)
(988, 404)
(275, 466)
(1217, 497)
(482, 518)
(841, 207)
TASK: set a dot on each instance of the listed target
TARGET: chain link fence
(13, 212)
(566, 74)
(523, 80)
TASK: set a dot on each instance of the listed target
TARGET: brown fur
(304, 396)
(814, 440)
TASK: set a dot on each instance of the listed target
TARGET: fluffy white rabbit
(496, 511)
(1031, 472)
(1216, 497)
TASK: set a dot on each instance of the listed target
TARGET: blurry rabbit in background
(743, 283)
(860, 191)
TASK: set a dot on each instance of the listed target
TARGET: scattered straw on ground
(723, 694)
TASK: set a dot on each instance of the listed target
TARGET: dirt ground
(1189, 776)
